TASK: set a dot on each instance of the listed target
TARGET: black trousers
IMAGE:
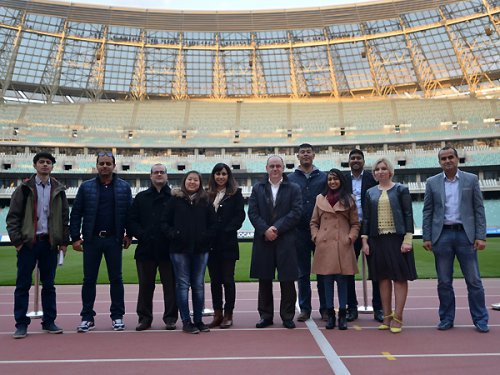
(146, 272)
(352, 300)
(266, 302)
(221, 273)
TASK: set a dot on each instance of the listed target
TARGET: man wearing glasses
(151, 254)
(99, 215)
(37, 223)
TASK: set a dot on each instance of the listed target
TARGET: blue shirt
(451, 202)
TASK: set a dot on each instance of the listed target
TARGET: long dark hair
(201, 194)
(345, 196)
(231, 185)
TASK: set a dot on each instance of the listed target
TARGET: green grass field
(72, 273)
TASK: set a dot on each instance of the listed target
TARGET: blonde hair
(386, 161)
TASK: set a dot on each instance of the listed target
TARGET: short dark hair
(306, 145)
(446, 148)
(45, 155)
(356, 151)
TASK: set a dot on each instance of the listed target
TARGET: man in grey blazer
(454, 225)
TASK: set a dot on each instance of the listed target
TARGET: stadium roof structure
(57, 52)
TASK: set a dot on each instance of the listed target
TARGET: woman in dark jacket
(227, 200)
(189, 223)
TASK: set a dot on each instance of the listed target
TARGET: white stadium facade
(400, 78)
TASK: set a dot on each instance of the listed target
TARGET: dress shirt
(452, 204)
(274, 190)
(42, 206)
(357, 182)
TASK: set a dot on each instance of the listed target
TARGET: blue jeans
(189, 271)
(305, 247)
(92, 255)
(27, 258)
(453, 243)
(328, 284)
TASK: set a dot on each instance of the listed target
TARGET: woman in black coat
(189, 223)
(227, 200)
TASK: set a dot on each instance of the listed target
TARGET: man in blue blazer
(454, 225)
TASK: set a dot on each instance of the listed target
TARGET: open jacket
(22, 216)
(85, 208)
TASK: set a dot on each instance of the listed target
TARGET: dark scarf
(332, 196)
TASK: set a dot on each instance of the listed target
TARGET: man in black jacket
(151, 254)
(359, 182)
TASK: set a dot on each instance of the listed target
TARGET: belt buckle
(102, 234)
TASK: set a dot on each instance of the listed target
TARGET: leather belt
(42, 237)
(455, 227)
(104, 234)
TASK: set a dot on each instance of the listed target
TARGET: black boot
(352, 313)
(331, 319)
(342, 319)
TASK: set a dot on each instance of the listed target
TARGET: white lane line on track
(270, 358)
(330, 354)
(104, 360)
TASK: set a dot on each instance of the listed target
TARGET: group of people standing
(332, 216)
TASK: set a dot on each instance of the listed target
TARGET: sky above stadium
(218, 5)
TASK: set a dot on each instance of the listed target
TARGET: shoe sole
(19, 336)
(53, 332)
(118, 328)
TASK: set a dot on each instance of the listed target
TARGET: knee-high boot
(331, 319)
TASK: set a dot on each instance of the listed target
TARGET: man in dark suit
(359, 182)
(454, 225)
(274, 208)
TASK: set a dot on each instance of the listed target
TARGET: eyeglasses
(158, 172)
(105, 153)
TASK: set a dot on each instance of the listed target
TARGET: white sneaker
(118, 325)
(495, 306)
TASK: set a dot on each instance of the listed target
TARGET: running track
(243, 349)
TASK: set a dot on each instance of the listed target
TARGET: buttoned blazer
(471, 207)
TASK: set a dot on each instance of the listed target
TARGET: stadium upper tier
(248, 123)
(52, 51)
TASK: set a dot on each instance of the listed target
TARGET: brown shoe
(227, 321)
(217, 319)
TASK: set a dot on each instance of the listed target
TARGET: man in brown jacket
(37, 224)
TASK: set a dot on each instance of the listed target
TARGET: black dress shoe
(263, 323)
(170, 326)
(444, 325)
(352, 313)
(378, 315)
(51, 328)
(288, 324)
(143, 326)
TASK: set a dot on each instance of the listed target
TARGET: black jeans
(27, 258)
(352, 300)
(221, 273)
(266, 303)
(146, 273)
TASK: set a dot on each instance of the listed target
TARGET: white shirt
(274, 189)
(356, 190)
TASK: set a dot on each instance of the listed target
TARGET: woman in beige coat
(334, 228)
